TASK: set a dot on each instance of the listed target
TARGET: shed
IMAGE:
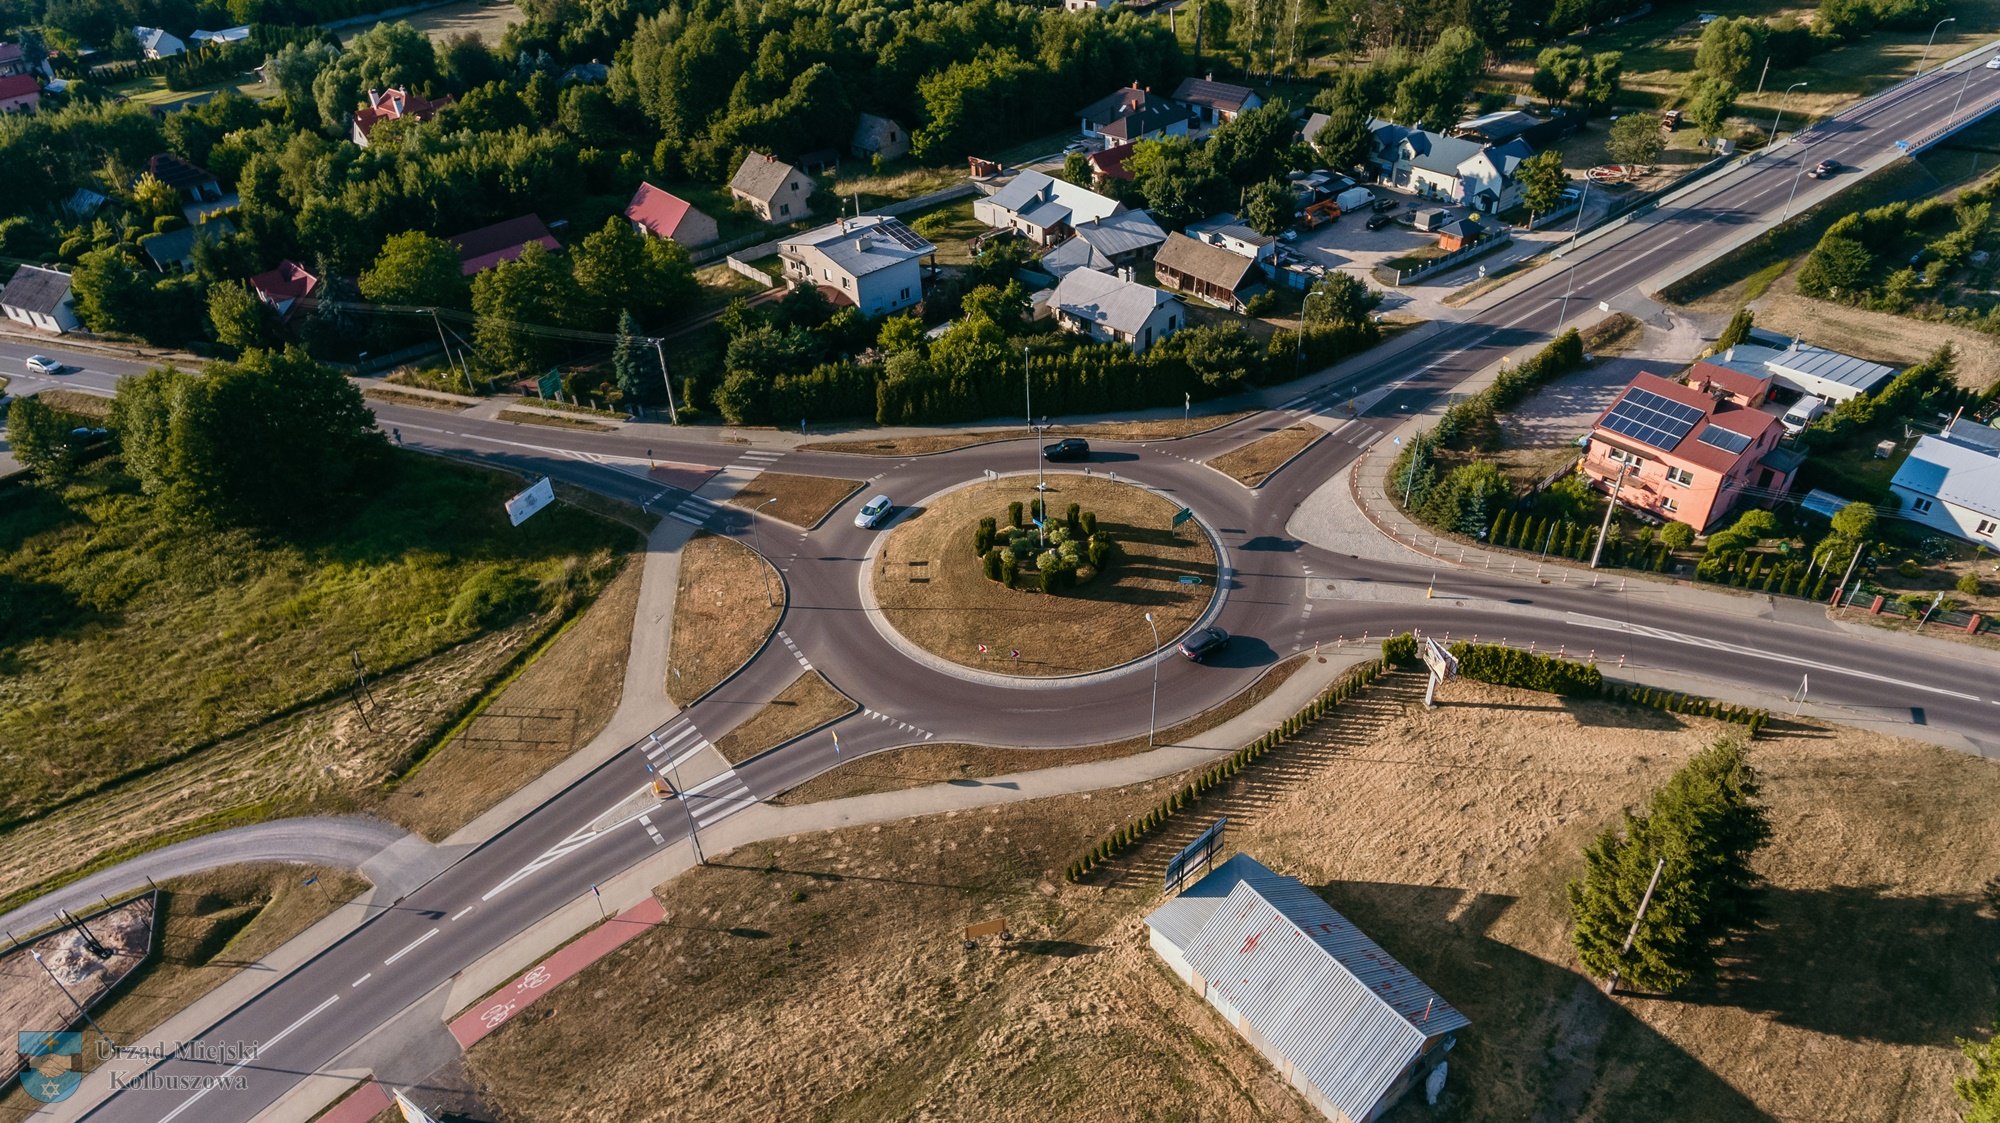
(879, 136)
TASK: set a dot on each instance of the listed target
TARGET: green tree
(1635, 139)
(1601, 76)
(414, 269)
(40, 438)
(1220, 355)
(1076, 169)
(1737, 332)
(1856, 521)
(901, 333)
(513, 300)
(1342, 298)
(1981, 1090)
(1558, 72)
(1175, 179)
(1710, 101)
(628, 356)
(110, 292)
(239, 320)
(1839, 267)
(1728, 48)
(1271, 207)
(1542, 181)
(1344, 140)
(1677, 535)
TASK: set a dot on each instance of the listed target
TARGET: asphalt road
(309, 1019)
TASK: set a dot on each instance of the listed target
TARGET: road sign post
(523, 506)
(1442, 664)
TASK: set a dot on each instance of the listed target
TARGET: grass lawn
(719, 285)
(800, 500)
(488, 19)
(1253, 463)
(808, 703)
(130, 642)
(914, 766)
(1163, 430)
(1034, 148)
(931, 588)
(422, 401)
(723, 612)
(822, 976)
(153, 91)
(532, 417)
(894, 183)
(95, 407)
(950, 227)
(432, 376)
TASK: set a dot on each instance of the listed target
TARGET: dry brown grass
(1253, 463)
(932, 589)
(820, 977)
(212, 925)
(423, 401)
(915, 766)
(801, 500)
(554, 421)
(808, 703)
(722, 614)
(1900, 340)
(1613, 335)
(96, 407)
(554, 708)
(1162, 430)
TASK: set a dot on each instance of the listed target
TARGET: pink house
(1685, 454)
(663, 215)
(20, 93)
(282, 288)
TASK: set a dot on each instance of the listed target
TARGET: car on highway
(1069, 448)
(1993, 63)
(42, 364)
(1377, 222)
(1204, 643)
(1824, 168)
(873, 512)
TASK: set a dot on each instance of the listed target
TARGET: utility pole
(1410, 474)
(673, 415)
(72, 998)
(439, 325)
(1762, 74)
(1610, 509)
(1611, 984)
(1840, 591)
(1153, 722)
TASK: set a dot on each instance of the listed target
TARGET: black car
(1204, 643)
(1069, 448)
(1379, 221)
(1824, 168)
(1385, 204)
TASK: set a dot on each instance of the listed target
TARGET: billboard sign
(411, 1112)
(1442, 663)
(523, 506)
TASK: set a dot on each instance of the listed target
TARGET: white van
(1803, 413)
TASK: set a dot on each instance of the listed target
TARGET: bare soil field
(561, 701)
(821, 976)
(1253, 463)
(802, 501)
(722, 614)
(1162, 430)
(933, 591)
(808, 703)
(484, 18)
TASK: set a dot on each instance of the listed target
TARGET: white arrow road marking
(255, 1052)
(1604, 624)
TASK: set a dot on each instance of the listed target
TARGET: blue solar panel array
(1651, 419)
(1724, 439)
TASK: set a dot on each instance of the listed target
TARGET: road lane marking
(410, 947)
(460, 914)
(255, 1052)
(361, 980)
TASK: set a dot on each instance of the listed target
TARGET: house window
(1986, 526)
(784, 208)
(1922, 506)
(1680, 476)
(1667, 504)
(843, 282)
(906, 294)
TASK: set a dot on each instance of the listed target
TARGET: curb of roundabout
(872, 609)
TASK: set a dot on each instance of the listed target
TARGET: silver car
(873, 512)
(42, 364)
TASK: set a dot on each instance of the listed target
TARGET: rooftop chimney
(374, 98)
(1729, 355)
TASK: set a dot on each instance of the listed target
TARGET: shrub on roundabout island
(1061, 556)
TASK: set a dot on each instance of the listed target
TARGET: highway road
(306, 1021)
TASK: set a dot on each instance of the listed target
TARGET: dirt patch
(915, 766)
(1253, 463)
(1613, 335)
(800, 500)
(423, 401)
(95, 407)
(932, 589)
(808, 703)
(723, 612)
(554, 708)
(1877, 335)
(484, 18)
(1165, 430)
(822, 977)
(528, 417)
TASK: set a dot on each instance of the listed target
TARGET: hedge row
(1140, 828)
(1675, 703)
(1471, 422)
(1510, 666)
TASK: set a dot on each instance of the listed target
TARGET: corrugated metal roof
(1965, 431)
(1318, 991)
(1956, 473)
(1831, 366)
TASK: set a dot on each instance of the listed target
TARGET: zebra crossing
(794, 649)
(756, 460)
(678, 737)
(693, 510)
(718, 797)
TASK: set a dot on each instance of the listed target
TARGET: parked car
(1824, 168)
(42, 364)
(1204, 643)
(84, 434)
(873, 512)
(1377, 222)
(1069, 448)
(1385, 204)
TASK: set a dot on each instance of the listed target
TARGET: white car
(873, 512)
(42, 364)
(1993, 63)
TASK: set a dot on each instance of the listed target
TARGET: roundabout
(1114, 551)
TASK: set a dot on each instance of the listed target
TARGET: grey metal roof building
(1350, 1027)
(1106, 243)
(1808, 369)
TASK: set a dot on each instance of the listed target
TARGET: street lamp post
(66, 994)
(1963, 82)
(1928, 44)
(1152, 722)
(1782, 98)
(1298, 352)
(770, 600)
(1569, 286)
(1796, 174)
(1582, 201)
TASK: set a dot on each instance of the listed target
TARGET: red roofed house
(662, 215)
(482, 249)
(1110, 163)
(20, 93)
(393, 104)
(1682, 454)
(282, 288)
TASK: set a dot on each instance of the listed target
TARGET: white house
(1109, 309)
(1089, 5)
(40, 298)
(156, 43)
(1453, 169)
(1044, 209)
(219, 38)
(878, 136)
(873, 263)
(1349, 1027)
(1951, 482)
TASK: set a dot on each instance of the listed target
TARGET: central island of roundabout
(967, 578)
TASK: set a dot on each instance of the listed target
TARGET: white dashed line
(361, 980)
(410, 947)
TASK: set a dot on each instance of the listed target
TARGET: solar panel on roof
(1647, 417)
(903, 235)
(1724, 439)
